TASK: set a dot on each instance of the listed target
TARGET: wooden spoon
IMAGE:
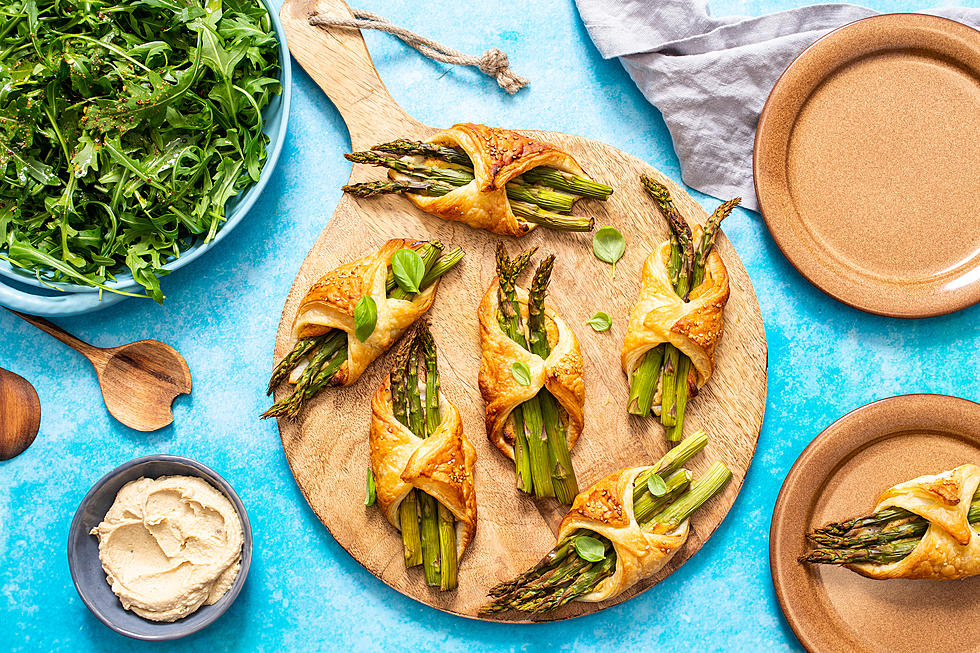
(20, 414)
(139, 381)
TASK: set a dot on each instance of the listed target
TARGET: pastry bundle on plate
(678, 318)
(354, 313)
(926, 528)
(422, 463)
(531, 378)
(486, 177)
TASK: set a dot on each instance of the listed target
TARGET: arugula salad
(125, 127)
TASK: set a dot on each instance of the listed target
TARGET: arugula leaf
(222, 63)
(86, 156)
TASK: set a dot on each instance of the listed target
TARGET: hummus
(170, 545)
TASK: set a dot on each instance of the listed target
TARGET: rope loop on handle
(493, 62)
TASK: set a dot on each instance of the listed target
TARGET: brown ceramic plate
(866, 160)
(840, 475)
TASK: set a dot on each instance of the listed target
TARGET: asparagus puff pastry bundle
(926, 528)
(623, 529)
(422, 464)
(678, 319)
(354, 313)
(486, 177)
(531, 379)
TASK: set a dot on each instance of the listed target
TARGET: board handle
(338, 61)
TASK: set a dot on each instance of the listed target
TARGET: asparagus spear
(404, 147)
(527, 211)
(324, 364)
(546, 198)
(879, 518)
(293, 358)
(509, 320)
(528, 422)
(886, 536)
(680, 230)
(433, 418)
(682, 391)
(643, 385)
(646, 505)
(567, 182)
(707, 241)
(408, 518)
(291, 405)
(408, 510)
(556, 221)
(541, 175)
(704, 488)
(879, 554)
(684, 385)
(444, 264)
(560, 460)
(375, 188)
(668, 392)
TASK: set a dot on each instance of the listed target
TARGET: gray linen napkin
(711, 76)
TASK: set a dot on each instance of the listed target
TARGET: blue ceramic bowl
(22, 291)
(83, 550)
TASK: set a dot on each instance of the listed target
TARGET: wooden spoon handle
(95, 355)
(338, 61)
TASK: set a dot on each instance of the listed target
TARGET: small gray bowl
(83, 550)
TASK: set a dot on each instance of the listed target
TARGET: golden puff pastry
(562, 372)
(607, 509)
(329, 304)
(498, 156)
(440, 465)
(659, 316)
(950, 549)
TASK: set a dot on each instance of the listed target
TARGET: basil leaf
(371, 493)
(589, 548)
(521, 372)
(365, 317)
(600, 321)
(656, 485)
(609, 245)
(408, 269)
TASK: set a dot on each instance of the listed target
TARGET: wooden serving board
(327, 446)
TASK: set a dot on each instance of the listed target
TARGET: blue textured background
(304, 591)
